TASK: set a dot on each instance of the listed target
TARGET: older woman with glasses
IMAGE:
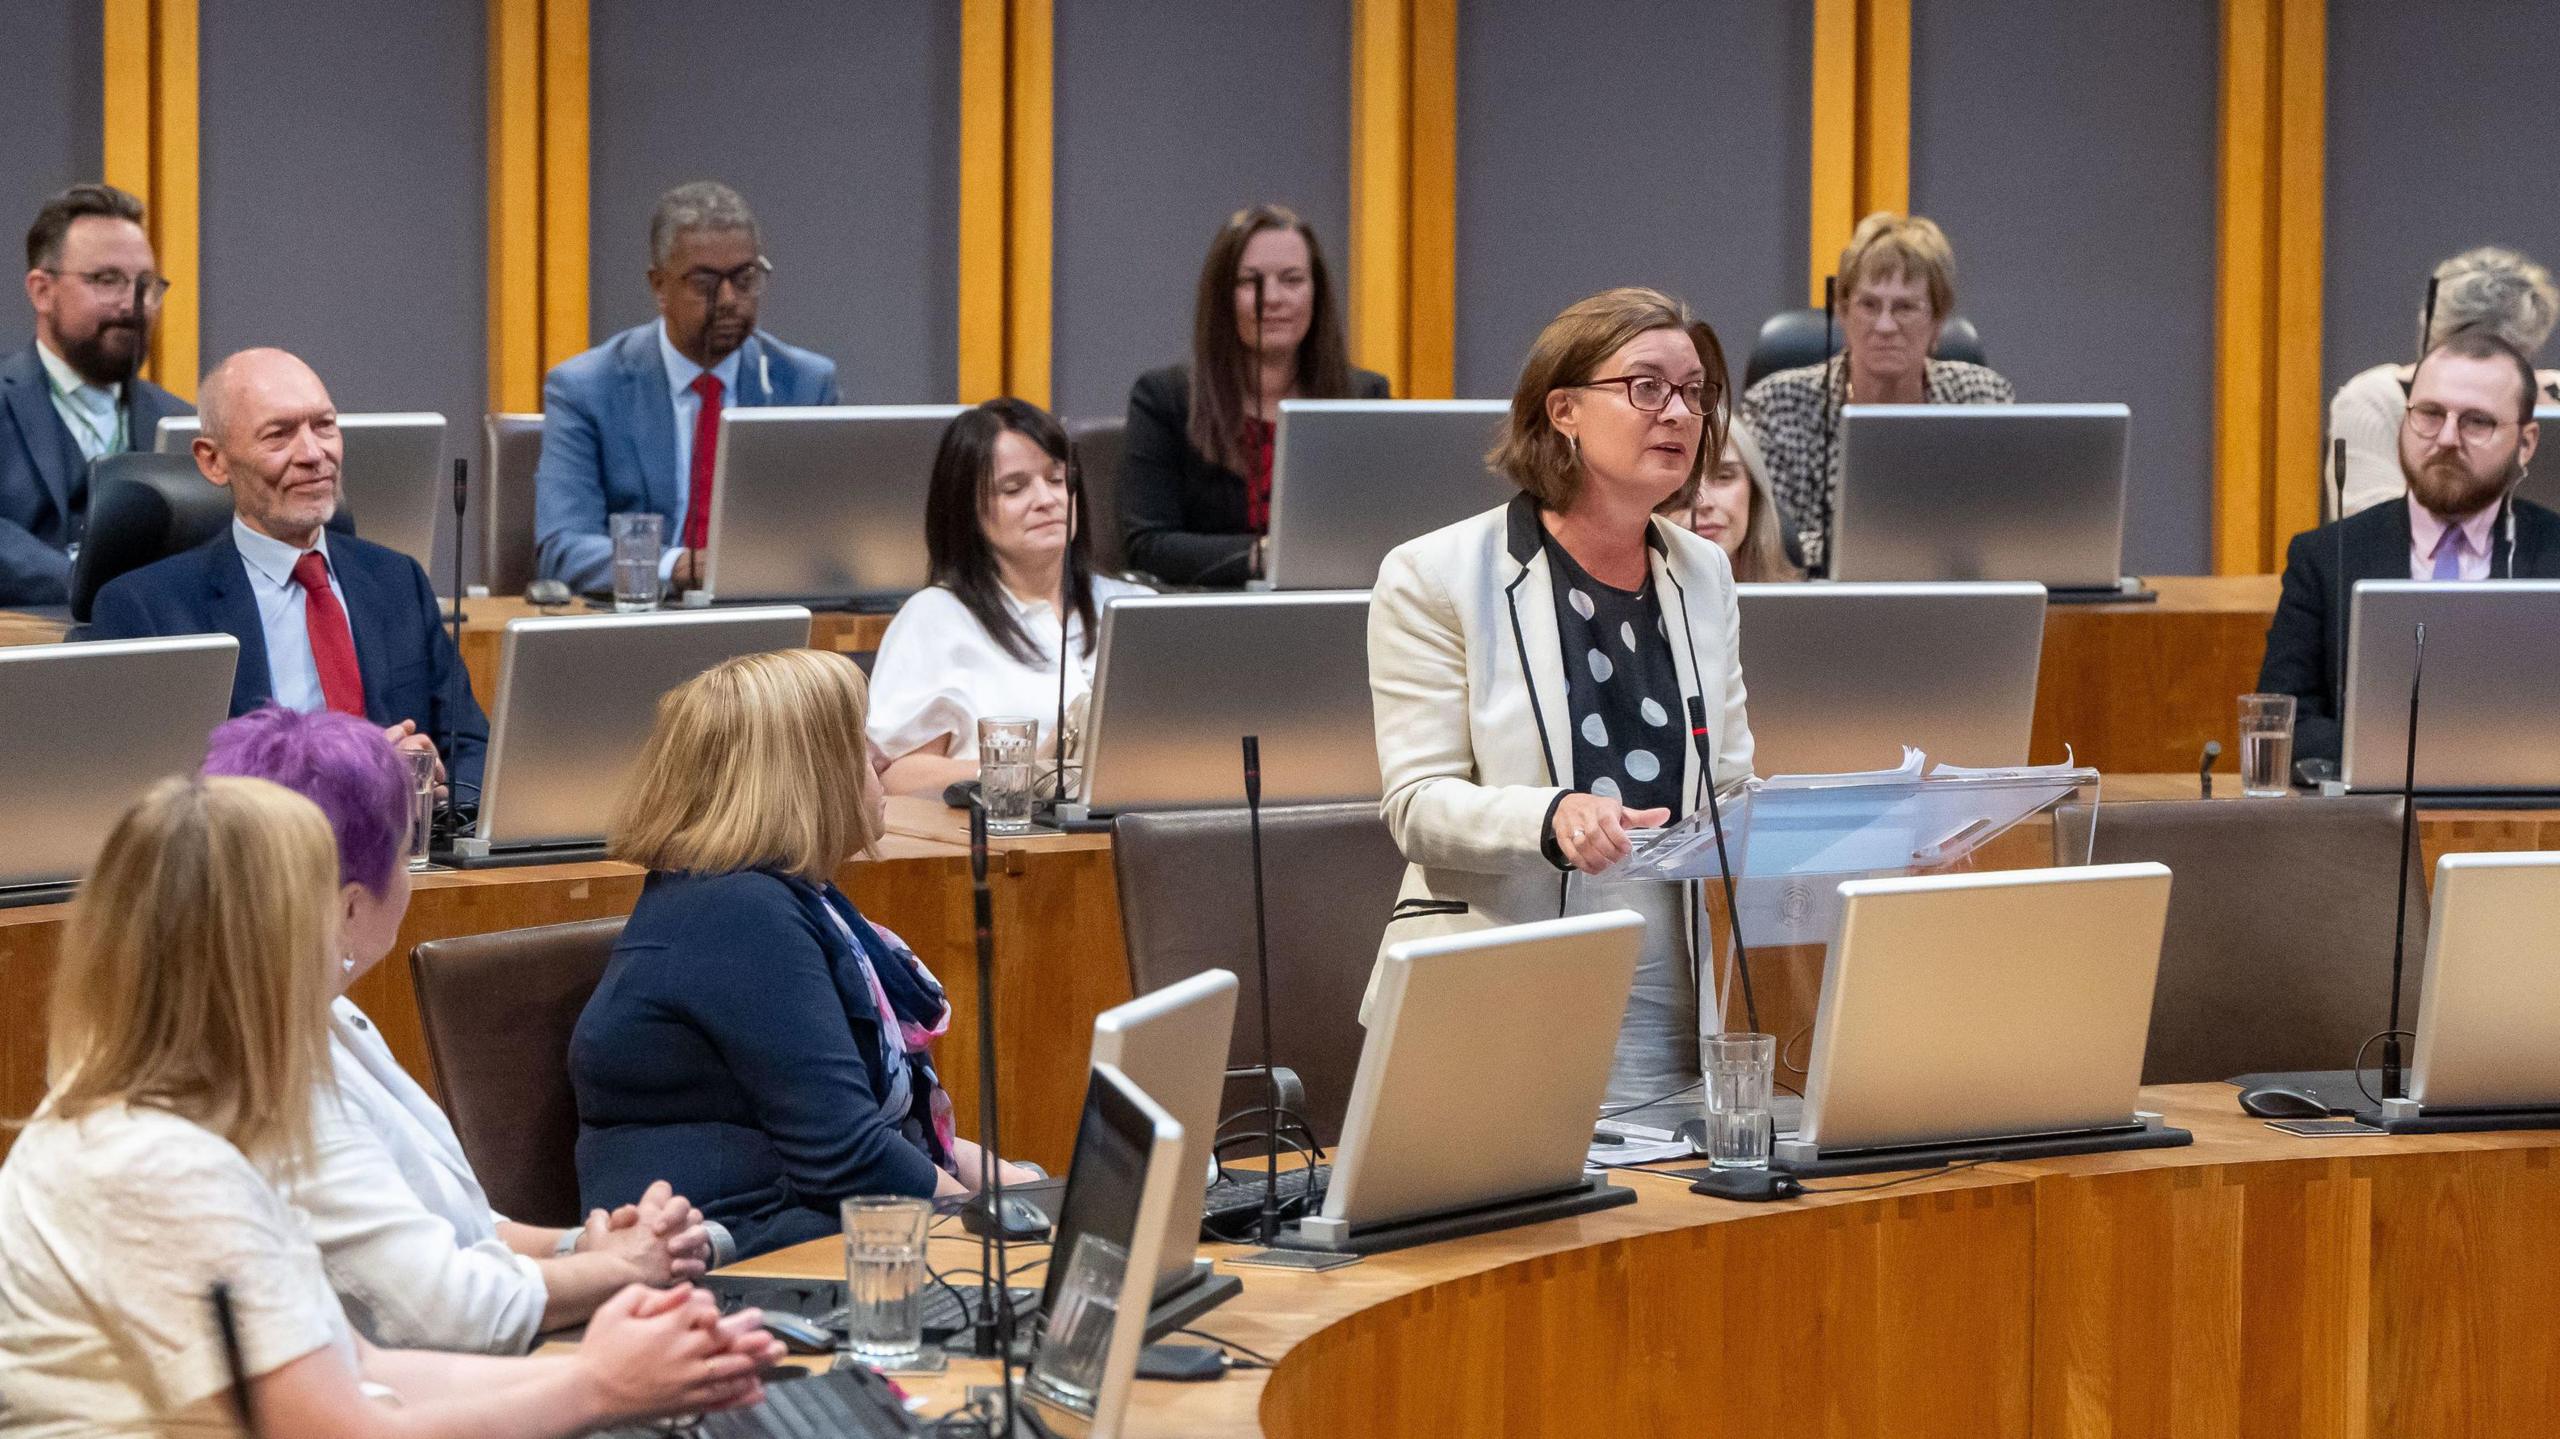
(412, 1246)
(2491, 289)
(1897, 287)
(1537, 671)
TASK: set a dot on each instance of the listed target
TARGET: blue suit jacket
(411, 671)
(44, 479)
(733, 1049)
(609, 440)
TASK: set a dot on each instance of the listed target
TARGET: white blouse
(939, 672)
(135, 1213)
(411, 1244)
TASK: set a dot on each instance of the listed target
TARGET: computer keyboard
(821, 1301)
(1236, 1198)
(839, 1404)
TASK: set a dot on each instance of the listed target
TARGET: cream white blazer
(1467, 681)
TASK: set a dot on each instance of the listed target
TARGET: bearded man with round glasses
(76, 394)
(2464, 445)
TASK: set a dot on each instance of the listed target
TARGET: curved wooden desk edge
(2251, 1283)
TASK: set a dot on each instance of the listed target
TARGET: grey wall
(2071, 154)
(1654, 142)
(345, 188)
(51, 121)
(2439, 122)
(839, 123)
(1172, 114)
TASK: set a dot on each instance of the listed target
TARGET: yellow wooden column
(1006, 193)
(1861, 122)
(537, 194)
(2267, 388)
(1401, 277)
(150, 150)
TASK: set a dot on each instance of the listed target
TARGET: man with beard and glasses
(630, 426)
(325, 621)
(74, 395)
(2464, 444)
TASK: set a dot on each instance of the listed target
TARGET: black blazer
(44, 479)
(2306, 643)
(410, 669)
(1182, 514)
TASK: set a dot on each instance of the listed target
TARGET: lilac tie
(2449, 556)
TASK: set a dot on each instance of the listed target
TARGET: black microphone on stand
(1066, 611)
(1715, 820)
(991, 1335)
(2204, 767)
(2391, 1087)
(1267, 1230)
(2427, 322)
(449, 814)
(1830, 422)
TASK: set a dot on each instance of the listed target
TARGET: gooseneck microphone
(2391, 1086)
(461, 506)
(1830, 422)
(1066, 656)
(991, 1333)
(1267, 1227)
(2204, 767)
(1715, 821)
(2340, 593)
(2427, 321)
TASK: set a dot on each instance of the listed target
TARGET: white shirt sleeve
(2366, 413)
(921, 698)
(408, 1278)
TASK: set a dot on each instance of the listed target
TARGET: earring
(1576, 442)
(347, 963)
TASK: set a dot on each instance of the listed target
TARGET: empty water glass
(884, 1278)
(2266, 745)
(639, 541)
(1068, 1369)
(1007, 778)
(422, 806)
(1738, 1070)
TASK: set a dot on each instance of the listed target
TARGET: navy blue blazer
(411, 671)
(44, 479)
(609, 440)
(734, 1050)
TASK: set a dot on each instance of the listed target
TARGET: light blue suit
(609, 441)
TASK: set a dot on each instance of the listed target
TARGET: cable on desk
(1930, 1173)
(1253, 1358)
(1615, 1110)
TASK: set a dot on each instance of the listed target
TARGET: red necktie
(333, 649)
(706, 438)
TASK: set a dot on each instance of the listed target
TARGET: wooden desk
(2254, 1284)
(484, 622)
(2140, 688)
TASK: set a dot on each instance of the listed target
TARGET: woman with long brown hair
(1195, 485)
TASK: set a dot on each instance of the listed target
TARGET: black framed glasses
(748, 279)
(2476, 427)
(1652, 393)
(147, 287)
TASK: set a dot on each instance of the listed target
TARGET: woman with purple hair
(411, 1245)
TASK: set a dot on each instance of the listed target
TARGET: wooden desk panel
(2254, 1284)
(2140, 688)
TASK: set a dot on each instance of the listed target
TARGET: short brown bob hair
(1886, 244)
(1569, 351)
(756, 763)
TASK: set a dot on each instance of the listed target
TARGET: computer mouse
(799, 1335)
(2281, 1101)
(1023, 1220)
(548, 592)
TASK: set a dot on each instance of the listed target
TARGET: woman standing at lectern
(1533, 668)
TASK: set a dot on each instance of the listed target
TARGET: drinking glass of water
(884, 1279)
(2266, 745)
(1738, 1069)
(638, 541)
(422, 806)
(1006, 778)
(1068, 1369)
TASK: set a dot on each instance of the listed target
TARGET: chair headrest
(1792, 339)
(143, 508)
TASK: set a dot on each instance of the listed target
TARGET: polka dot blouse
(1623, 691)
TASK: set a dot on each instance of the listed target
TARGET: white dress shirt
(681, 374)
(410, 1242)
(93, 413)
(939, 672)
(293, 676)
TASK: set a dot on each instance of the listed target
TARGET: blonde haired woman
(1732, 508)
(1533, 670)
(756, 1041)
(189, 1016)
(1897, 287)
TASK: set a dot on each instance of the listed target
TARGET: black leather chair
(1791, 339)
(1330, 874)
(2278, 951)
(1099, 446)
(498, 1010)
(145, 507)
(514, 446)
